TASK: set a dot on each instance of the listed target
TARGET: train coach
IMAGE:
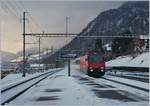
(93, 64)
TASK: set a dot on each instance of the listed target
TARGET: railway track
(96, 80)
(132, 78)
(129, 85)
(101, 86)
(10, 93)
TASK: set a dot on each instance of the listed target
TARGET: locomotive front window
(95, 58)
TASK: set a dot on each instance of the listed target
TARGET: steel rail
(12, 97)
(131, 77)
(136, 87)
(122, 83)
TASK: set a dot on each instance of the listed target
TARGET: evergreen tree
(98, 44)
(121, 45)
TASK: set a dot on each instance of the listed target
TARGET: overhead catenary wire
(6, 7)
(31, 17)
(19, 7)
(16, 10)
(33, 25)
(22, 5)
(36, 23)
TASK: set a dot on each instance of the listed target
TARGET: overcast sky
(48, 16)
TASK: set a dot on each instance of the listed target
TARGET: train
(93, 64)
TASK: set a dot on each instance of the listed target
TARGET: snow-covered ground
(127, 61)
(129, 81)
(13, 79)
(79, 89)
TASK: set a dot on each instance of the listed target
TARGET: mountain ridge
(132, 16)
(6, 57)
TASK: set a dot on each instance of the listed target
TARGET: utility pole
(39, 51)
(47, 55)
(67, 25)
(69, 67)
(68, 59)
(52, 49)
(24, 32)
(67, 18)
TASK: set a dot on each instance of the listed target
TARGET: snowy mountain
(7, 56)
(29, 51)
(132, 16)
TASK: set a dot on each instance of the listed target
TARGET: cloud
(50, 16)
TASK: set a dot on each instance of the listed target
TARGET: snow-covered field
(13, 79)
(127, 61)
(79, 89)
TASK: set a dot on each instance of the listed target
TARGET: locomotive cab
(96, 64)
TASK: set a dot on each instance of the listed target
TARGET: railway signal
(68, 57)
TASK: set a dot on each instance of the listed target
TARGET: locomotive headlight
(102, 70)
(91, 70)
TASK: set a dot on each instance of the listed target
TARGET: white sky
(50, 16)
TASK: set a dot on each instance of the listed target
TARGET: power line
(3, 8)
(18, 6)
(30, 23)
(22, 5)
(21, 9)
(31, 17)
(8, 8)
(35, 22)
(13, 7)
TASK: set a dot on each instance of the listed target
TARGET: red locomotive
(93, 64)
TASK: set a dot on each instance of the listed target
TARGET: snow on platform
(59, 89)
(56, 87)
